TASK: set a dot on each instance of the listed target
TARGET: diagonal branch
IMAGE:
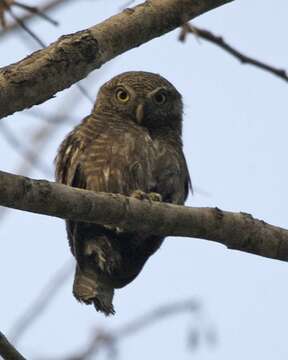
(35, 11)
(238, 231)
(219, 41)
(7, 350)
(23, 150)
(40, 304)
(22, 24)
(38, 77)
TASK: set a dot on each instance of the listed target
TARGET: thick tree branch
(7, 350)
(238, 231)
(42, 74)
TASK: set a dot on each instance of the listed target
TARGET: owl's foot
(141, 195)
(153, 196)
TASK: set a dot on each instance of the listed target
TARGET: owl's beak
(140, 113)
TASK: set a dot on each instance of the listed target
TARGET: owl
(130, 144)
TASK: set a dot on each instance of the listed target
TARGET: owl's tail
(88, 288)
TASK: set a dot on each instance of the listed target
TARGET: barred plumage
(131, 142)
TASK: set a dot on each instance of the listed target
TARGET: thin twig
(24, 151)
(49, 5)
(84, 92)
(21, 23)
(40, 42)
(104, 339)
(219, 41)
(43, 300)
(7, 350)
(41, 137)
(36, 11)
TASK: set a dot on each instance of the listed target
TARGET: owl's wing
(68, 160)
(171, 172)
(117, 159)
(69, 172)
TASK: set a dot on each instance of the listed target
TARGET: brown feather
(110, 151)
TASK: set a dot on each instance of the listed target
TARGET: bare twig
(4, 5)
(36, 11)
(26, 152)
(48, 5)
(22, 24)
(7, 350)
(235, 230)
(108, 340)
(31, 155)
(40, 304)
(73, 56)
(219, 41)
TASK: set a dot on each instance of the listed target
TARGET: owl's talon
(153, 196)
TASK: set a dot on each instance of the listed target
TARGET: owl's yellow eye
(122, 96)
(160, 98)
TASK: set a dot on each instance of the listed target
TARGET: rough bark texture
(39, 76)
(7, 350)
(235, 230)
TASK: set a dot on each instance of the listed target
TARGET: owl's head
(145, 98)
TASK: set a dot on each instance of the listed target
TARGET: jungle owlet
(130, 144)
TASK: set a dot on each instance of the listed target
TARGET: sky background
(235, 141)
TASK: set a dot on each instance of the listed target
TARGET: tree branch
(238, 231)
(7, 350)
(219, 41)
(72, 57)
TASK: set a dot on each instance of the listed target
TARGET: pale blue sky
(235, 138)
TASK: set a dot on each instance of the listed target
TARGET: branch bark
(238, 231)
(7, 350)
(39, 76)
